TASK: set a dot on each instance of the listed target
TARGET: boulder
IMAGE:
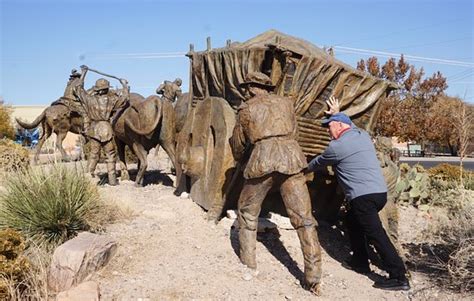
(86, 291)
(77, 258)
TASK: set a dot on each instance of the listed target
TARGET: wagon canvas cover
(301, 71)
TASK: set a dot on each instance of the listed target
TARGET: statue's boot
(215, 212)
(248, 242)
(92, 166)
(112, 175)
(312, 258)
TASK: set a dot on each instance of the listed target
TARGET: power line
(470, 74)
(411, 57)
(121, 56)
(460, 74)
(429, 44)
(372, 38)
(159, 55)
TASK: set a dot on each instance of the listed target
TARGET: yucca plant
(49, 204)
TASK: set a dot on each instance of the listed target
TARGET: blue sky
(42, 40)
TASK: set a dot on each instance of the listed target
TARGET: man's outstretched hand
(334, 105)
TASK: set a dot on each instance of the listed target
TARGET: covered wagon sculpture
(299, 70)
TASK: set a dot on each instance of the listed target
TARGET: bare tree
(464, 120)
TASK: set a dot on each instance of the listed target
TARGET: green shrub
(438, 186)
(13, 157)
(14, 266)
(449, 176)
(49, 204)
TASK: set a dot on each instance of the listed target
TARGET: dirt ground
(168, 251)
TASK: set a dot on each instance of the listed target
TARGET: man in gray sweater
(358, 171)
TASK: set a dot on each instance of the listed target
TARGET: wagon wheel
(205, 153)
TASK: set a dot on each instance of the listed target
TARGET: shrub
(453, 234)
(438, 186)
(23, 268)
(49, 204)
(6, 128)
(13, 157)
(451, 174)
(14, 265)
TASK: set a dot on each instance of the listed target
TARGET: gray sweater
(357, 167)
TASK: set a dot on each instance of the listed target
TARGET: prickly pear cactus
(13, 156)
(414, 186)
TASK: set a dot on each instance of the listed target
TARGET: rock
(282, 222)
(86, 291)
(228, 223)
(77, 258)
(232, 214)
(184, 195)
(247, 277)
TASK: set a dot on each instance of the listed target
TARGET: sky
(143, 41)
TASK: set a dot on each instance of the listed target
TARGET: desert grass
(51, 204)
(449, 247)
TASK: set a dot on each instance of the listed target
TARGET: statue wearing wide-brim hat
(101, 84)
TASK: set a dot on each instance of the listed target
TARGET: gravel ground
(168, 251)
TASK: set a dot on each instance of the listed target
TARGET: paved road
(430, 162)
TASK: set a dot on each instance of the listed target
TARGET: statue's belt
(278, 138)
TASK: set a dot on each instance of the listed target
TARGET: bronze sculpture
(300, 71)
(170, 91)
(265, 132)
(101, 106)
(62, 116)
(389, 158)
(142, 126)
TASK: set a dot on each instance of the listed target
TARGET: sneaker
(361, 269)
(393, 284)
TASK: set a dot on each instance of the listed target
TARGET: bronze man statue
(171, 91)
(265, 132)
(100, 107)
(69, 99)
(74, 79)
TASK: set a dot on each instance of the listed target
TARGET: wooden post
(208, 40)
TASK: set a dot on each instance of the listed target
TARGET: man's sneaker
(393, 284)
(361, 269)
